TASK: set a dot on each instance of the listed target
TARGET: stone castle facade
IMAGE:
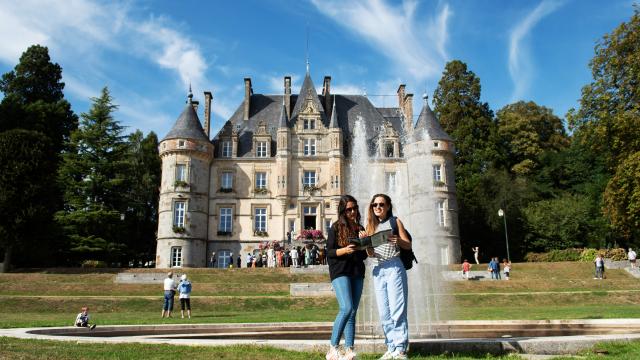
(279, 165)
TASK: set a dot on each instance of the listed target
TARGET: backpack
(406, 255)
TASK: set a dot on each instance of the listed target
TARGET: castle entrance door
(310, 214)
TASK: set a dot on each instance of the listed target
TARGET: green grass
(52, 297)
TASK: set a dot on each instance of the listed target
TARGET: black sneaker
(92, 327)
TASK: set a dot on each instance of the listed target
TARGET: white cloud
(93, 39)
(416, 50)
(520, 65)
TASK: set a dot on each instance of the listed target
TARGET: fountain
(410, 187)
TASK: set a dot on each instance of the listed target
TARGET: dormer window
(226, 149)
(436, 144)
(180, 143)
(261, 149)
(309, 124)
(389, 149)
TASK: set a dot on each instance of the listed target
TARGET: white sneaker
(397, 354)
(387, 356)
(333, 353)
(349, 354)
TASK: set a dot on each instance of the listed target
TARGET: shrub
(616, 254)
(570, 254)
(94, 264)
(536, 257)
(588, 255)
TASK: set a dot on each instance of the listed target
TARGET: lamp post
(506, 236)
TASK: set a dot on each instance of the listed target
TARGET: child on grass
(466, 267)
(82, 320)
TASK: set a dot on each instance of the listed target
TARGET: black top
(351, 265)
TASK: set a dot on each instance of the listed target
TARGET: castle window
(260, 219)
(437, 173)
(436, 144)
(226, 220)
(327, 226)
(226, 149)
(180, 143)
(261, 180)
(389, 181)
(309, 178)
(440, 213)
(309, 147)
(181, 172)
(179, 208)
(388, 149)
(226, 180)
(176, 256)
(261, 149)
(309, 124)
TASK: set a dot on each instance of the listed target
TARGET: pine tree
(93, 176)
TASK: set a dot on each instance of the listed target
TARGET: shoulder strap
(394, 225)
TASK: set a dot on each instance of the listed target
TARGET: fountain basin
(550, 337)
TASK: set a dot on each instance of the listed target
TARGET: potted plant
(180, 183)
(179, 229)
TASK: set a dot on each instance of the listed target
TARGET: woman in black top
(346, 269)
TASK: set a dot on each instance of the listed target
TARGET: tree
(93, 175)
(561, 223)
(527, 130)
(608, 120)
(622, 199)
(470, 123)
(26, 189)
(141, 219)
(33, 99)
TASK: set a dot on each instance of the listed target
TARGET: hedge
(576, 254)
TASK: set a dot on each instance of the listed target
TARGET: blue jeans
(390, 283)
(168, 300)
(348, 291)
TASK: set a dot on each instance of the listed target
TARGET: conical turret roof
(427, 121)
(188, 125)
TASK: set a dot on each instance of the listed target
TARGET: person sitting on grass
(82, 320)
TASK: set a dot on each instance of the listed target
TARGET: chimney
(408, 112)
(207, 112)
(326, 92)
(287, 95)
(247, 97)
(401, 96)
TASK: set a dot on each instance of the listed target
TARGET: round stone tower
(186, 154)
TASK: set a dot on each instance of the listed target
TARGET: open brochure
(379, 238)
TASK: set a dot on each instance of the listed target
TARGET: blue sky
(147, 52)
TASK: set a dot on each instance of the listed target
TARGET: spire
(427, 121)
(334, 115)
(190, 96)
(187, 126)
(283, 116)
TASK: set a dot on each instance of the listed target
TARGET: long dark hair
(372, 219)
(346, 228)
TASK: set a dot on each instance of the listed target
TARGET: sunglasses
(351, 209)
(378, 205)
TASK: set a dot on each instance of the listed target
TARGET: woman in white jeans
(390, 277)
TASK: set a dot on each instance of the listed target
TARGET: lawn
(52, 297)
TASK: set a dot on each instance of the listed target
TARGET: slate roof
(187, 126)
(348, 109)
(427, 120)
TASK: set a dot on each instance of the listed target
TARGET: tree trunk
(7, 260)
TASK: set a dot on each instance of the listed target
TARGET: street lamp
(506, 236)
